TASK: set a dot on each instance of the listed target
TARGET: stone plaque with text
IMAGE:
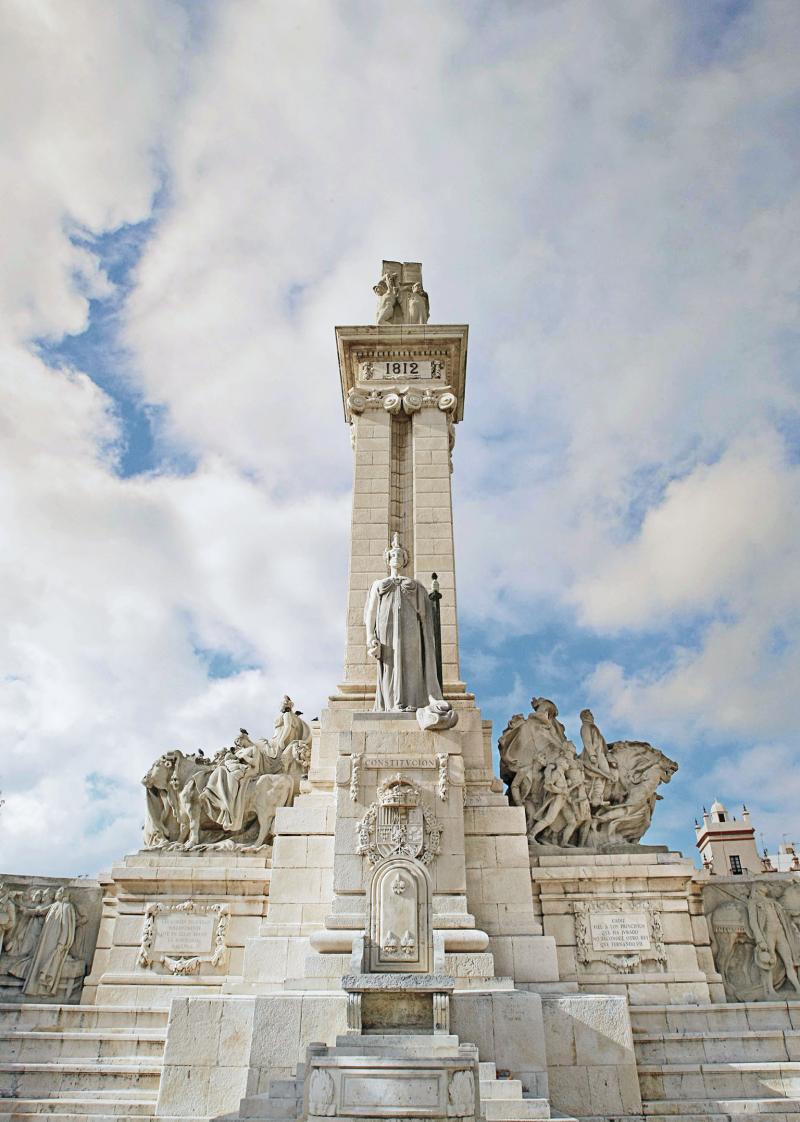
(623, 935)
(184, 933)
(620, 932)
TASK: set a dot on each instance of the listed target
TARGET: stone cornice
(443, 346)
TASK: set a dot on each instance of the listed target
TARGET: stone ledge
(413, 983)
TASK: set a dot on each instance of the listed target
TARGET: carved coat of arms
(399, 824)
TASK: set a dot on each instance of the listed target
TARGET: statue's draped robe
(226, 790)
(58, 935)
(398, 614)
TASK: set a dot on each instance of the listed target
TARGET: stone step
(733, 1080)
(284, 1089)
(410, 1045)
(76, 1018)
(511, 1110)
(261, 1107)
(741, 1016)
(27, 1045)
(717, 1046)
(53, 1080)
(501, 1089)
(486, 1071)
(95, 1108)
(68, 1116)
(704, 1108)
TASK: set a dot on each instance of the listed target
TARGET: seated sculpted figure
(399, 624)
(227, 785)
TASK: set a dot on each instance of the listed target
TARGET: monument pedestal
(627, 923)
(176, 922)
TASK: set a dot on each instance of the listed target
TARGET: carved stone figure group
(230, 800)
(400, 302)
(603, 796)
(755, 937)
(38, 928)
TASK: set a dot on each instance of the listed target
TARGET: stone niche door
(400, 936)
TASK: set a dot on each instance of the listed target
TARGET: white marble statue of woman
(399, 622)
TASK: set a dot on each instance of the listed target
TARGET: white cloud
(607, 195)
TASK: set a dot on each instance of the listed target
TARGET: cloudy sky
(195, 193)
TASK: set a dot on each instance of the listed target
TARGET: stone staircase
(719, 1061)
(80, 1062)
(502, 1100)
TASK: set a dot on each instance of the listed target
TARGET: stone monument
(351, 918)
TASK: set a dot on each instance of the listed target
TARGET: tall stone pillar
(403, 394)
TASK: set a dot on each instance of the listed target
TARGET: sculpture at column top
(399, 624)
(401, 296)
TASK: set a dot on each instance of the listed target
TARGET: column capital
(424, 362)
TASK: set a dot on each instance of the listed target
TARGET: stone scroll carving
(401, 297)
(46, 939)
(399, 632)
(603, 796)
(230, 800)
(755, 936)
(200, 929)
(399, 824)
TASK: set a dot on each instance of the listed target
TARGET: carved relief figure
(388, 295)
(30, 917)
(8, 916)
(399, 633)
(58, 935)
(39, 931)
(418, 306)
(605, 795)
(774, 938)
(755, 937)
(232, 799)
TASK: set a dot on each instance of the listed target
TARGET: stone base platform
(627, 923)
(139, 962)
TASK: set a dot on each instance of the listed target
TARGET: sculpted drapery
(58, 935)
(399, 626)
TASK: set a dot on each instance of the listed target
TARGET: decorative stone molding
(399, 824)
(185, 964)
(402, 398)
(621, 934)
(355, 776)
(442, 788)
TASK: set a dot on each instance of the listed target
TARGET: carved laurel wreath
(184, 965)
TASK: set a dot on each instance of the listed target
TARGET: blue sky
(196, 194)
